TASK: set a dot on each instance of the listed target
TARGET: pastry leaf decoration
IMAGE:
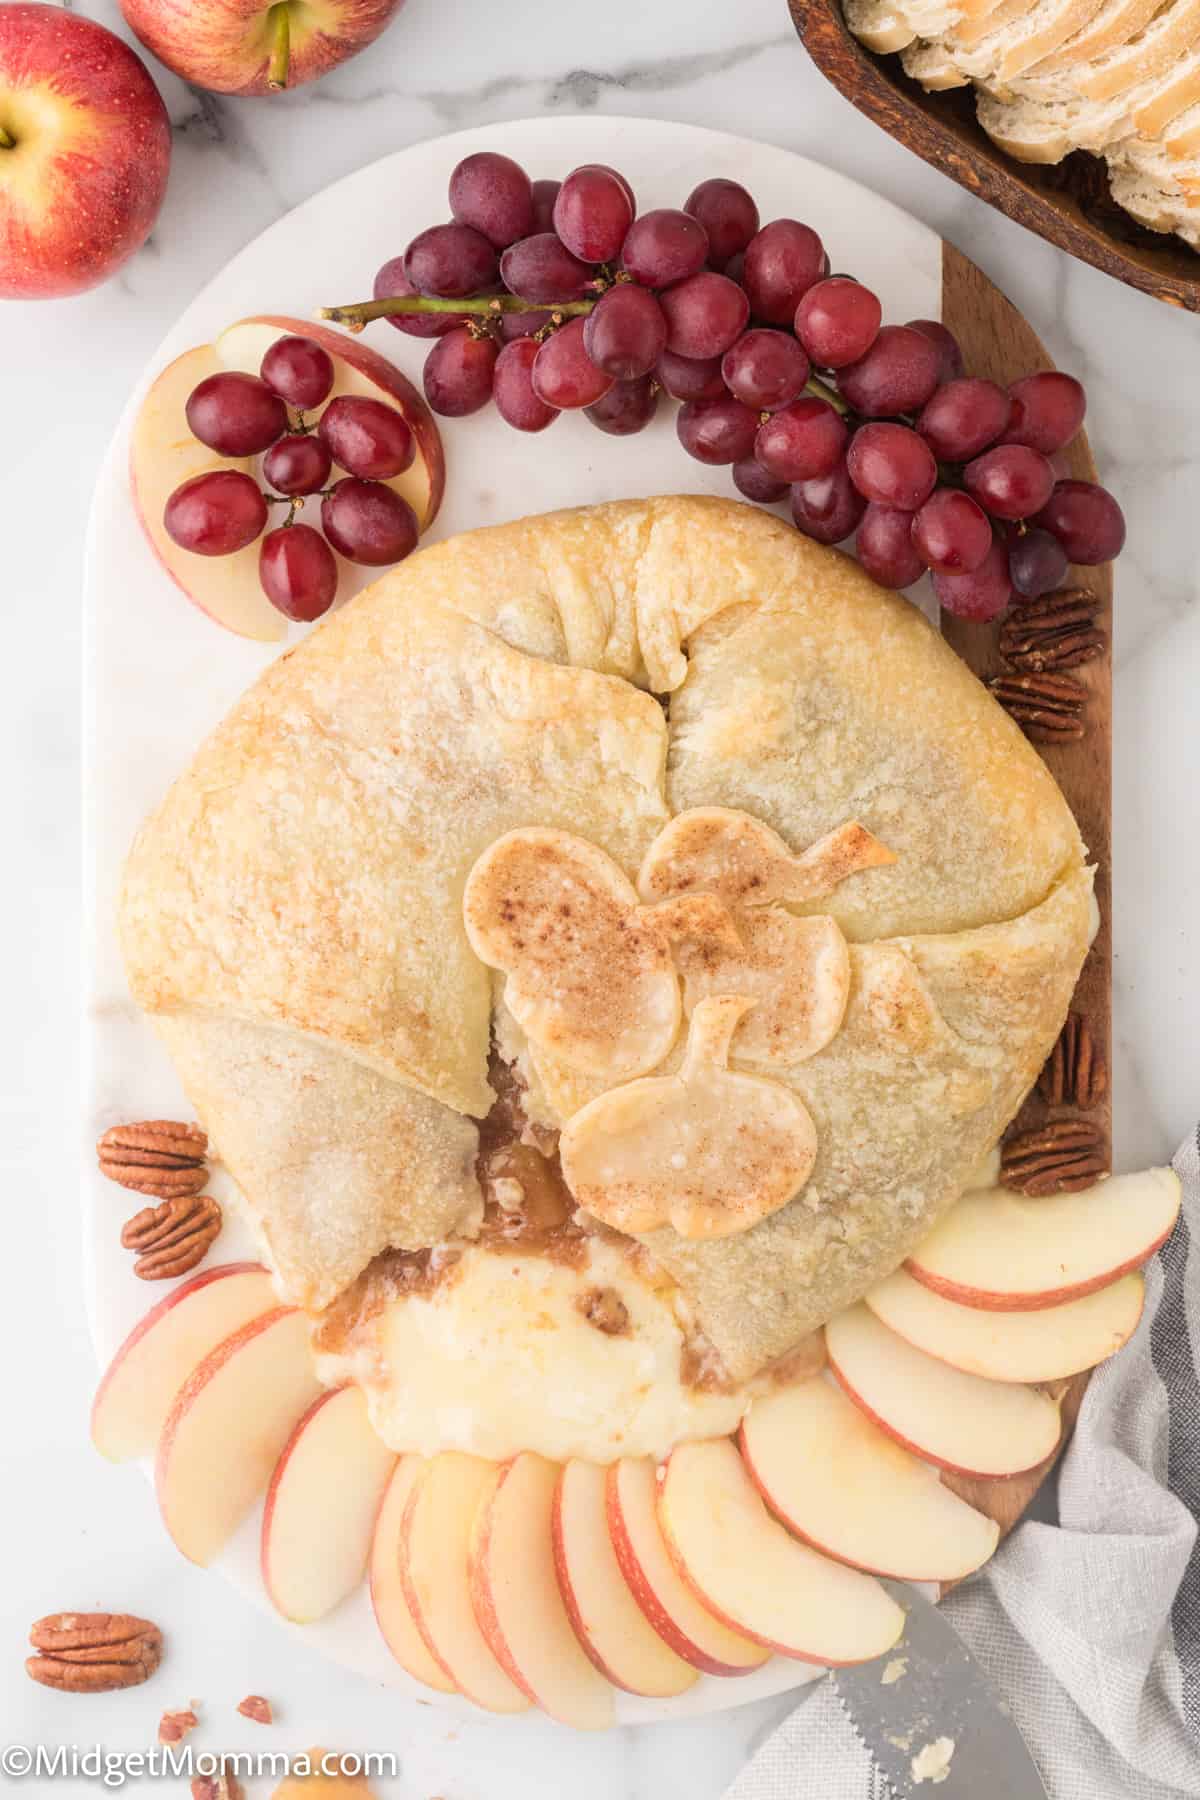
(718, 850)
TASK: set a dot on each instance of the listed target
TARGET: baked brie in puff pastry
(768, 909)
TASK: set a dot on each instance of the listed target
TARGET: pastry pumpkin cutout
(708, 1150)
(590, 975)
(719, 850)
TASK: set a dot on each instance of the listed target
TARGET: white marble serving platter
(159, 674)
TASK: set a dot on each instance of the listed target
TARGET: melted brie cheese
(501, 1358)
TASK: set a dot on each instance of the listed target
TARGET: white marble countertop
(83, 1536)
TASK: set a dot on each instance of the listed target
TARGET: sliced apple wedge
(746, 1568)
(434, 1546)
(959, 1421)
(321, 1506)
(361, 371)
(162, 454)
(393, 1614)
(845, 1487)
(1013, 1346)
(227, 1426)
(162, 1350)
(1002, 1251)
(608, 1621)
(669, 1604)
(515, 1593)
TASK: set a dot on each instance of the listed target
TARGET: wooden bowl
(1068, 203)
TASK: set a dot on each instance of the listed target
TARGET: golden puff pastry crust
(293, 912)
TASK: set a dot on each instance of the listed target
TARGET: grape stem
(280, 28)
(7, 140)
(360, 312)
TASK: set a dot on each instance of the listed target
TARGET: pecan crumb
(604, 1308)
(255, 1707)
(224, 1786)
(173, 1727)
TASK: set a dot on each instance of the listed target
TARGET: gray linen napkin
(1090, 1627)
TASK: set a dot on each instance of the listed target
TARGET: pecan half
(92, 1653)
(1048, 708)
(159, 1157)
(1074, 1074)
(1059, 1158)
(171, 1239)
(1057, 631)
(255, 1707)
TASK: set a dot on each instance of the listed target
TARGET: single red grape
(592, 213)
(235, 414)
(690, 378)
(705, 314)
(951, 532)
(523, 324)
(765, 369)
(449, 262)
(392, 283)
(664, 246)
(964, 417)
(1037, 563)
(627, 407)
(983, 593)
(837, 321)
(727, 213)
(891, 465)
(458, 373)
(827, 507)
(885, 549)
(216, 513)
(541, 269)
(564, 375)
(950, 356)
(545, 193)
(1086, 520)
(297, 464)
(368, 522)
(299, 371)
(627, 332)
(717, 431)
(802, 442)
(512, 389)
(896, 375)
(367, 438)
(1010, 482)
(1047, 410)
(783, 260)
(494, 195)
(757, 483)
(297, 571)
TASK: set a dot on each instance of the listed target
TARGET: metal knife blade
(929, 1700)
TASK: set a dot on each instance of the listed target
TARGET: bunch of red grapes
(783, 370)
(224, 510)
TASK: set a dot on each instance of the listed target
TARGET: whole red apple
(252, 46)
(85, 144)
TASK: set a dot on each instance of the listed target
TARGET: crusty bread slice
(1115, 23)
(1175, 95)
(879, 24)
(1041, 119)
(1181, 139)
(1018, 44)
(1162, 204)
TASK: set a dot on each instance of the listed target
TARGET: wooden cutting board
(998, 342)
